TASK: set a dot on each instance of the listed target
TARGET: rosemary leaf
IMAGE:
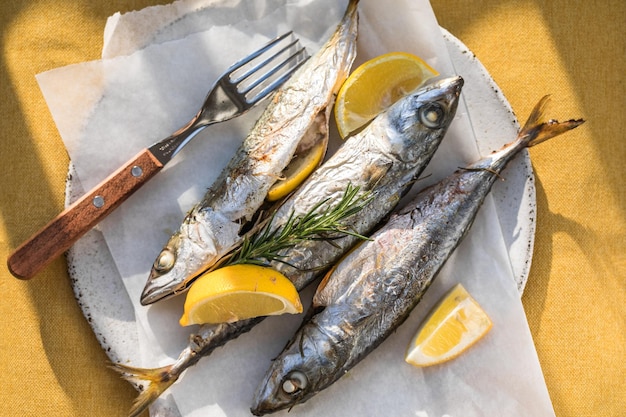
(319, 223)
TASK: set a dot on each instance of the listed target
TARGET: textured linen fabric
(51, 363)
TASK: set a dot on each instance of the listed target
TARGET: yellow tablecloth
(575, 300)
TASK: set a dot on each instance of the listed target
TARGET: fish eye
(165, 261)
(431, 115)
(294, 382)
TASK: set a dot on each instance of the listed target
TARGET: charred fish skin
(384, 160)
(374, 289)
(299, 110)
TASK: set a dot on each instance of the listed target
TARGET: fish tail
(352, 5)
(151, 383)
(351, 10)
(537, 129)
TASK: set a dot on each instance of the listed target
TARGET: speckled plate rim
(103, 299)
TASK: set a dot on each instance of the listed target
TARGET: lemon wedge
(299, 168)
(455, 324)
(238, 292)
(377, 84)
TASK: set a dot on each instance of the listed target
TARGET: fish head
(297, 374)
(417, 123)
(168, 275)
(184, 257)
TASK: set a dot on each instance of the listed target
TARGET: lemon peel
(377, 84)
(455, 324)
(300, 167)
(238, 292)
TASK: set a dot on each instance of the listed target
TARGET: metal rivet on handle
(136, 171)
(98, 201)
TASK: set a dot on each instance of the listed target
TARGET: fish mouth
(259, 410)
(453, 84)
(267, 406)
(151, 295)
(156, 291)
(267, 398)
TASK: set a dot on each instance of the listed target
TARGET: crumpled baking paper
(157, 66)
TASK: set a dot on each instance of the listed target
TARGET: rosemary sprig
(265, 245)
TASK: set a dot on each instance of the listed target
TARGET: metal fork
(241, 87)
(235, 92)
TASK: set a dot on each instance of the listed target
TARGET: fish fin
(151, 383)
(537, 130)
(352, 4)
(321, 297)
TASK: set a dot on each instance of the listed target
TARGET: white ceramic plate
(105, 303)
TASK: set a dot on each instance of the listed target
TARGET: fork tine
(271, 87)
(277, 68)
(260, 65)
(258, 52)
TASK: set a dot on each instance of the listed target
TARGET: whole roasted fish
(383, 160)
(373, 290)
(297, 116)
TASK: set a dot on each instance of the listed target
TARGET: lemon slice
(377, 84)
(239, 292)
(455, 324)
(299, 168)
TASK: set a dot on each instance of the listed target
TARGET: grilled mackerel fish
(296, 117)
(373, 290)
(383, 160)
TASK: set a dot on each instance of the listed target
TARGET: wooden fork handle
(77, 219)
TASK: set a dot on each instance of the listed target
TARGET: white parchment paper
(157, 66)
